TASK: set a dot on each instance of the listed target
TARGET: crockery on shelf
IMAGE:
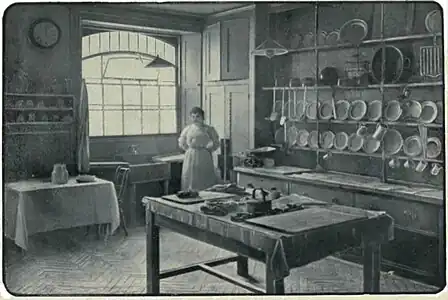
(421, 166)
(433, 147)
(300, 110)
(311, 110)
(32, 117)
(393, 111)
(353, 31)
(325, 111)
(433, 21)
(292, 135)
(44, 118)
(413, 146)
(41, 104)
(439, 118)
(435, 169)
(429, 112)
(332, 38)
(321, 37)
(302, 138)
(355, 142)
(358, 109)
(342, 109)
(29, 104)
(20, 104)
(398, 67)
(329, 76)
(409, 164)
(394, 163)
(413, 109)
(340, 140)
(308, 39)
(20, 118)
(61, 103)
(308, 81)
(279, 136)
(392, 142)
(327, 139)
(379, 132)
(313, 139)
(374, 110)
(370, 144)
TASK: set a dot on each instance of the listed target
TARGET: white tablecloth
(34, 206)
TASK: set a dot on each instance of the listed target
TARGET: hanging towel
(83, 152)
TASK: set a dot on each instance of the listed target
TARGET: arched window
(125, 98)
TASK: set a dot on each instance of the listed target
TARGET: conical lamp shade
(270, 48)
(159, 63)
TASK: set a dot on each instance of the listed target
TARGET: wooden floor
(66, 262)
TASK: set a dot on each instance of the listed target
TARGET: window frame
(176, 85)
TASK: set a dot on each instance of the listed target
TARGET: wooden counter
(419, 213)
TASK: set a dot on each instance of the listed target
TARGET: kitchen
(298, 97)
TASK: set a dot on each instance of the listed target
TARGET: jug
(59, 174)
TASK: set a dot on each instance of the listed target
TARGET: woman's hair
(197, 110)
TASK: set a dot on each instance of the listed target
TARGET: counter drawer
(263, 182)
(408, 215)
(327, 194)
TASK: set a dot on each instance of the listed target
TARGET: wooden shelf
(353, 122)
(370, 86)
(39, 95)
(366, 43)
(63, 132)
(39, 123)
(44, 109)
(375, 155)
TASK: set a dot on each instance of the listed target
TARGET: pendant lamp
(270, 47)
(159, 63)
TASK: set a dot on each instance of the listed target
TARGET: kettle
(256, 206)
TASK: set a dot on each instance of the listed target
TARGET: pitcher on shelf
(199, 141)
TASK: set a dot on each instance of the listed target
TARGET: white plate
(340, 140)
(358, 109)
(415, 142)
(302, 138)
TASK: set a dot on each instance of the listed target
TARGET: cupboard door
(190, 74)
(235, 49)
(212, 52)
(238, 98)
(216, 112)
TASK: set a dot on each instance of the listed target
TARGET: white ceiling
(196, 8)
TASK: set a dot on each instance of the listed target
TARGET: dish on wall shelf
(340, 45)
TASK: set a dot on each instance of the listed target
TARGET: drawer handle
(335, 201)
(412, 216)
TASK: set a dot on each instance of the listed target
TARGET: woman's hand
(210, 146)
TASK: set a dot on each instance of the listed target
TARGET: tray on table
(203, 196)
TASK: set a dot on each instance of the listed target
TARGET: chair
(121, 183)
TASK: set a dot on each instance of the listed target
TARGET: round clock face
(45, 33)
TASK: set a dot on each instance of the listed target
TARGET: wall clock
(44, 33)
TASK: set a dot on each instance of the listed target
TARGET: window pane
(113, 123)
(94, 43)
(104, 41)
(166, 75)
(112, 95)
(168, 121)
(133, 41)
(132, 122)
(160, 48)
(124, 40)
(150, 122)
(151, 96)
(132, 97)
(151, 45)
(94, 93)
(170, 53)
(114, 41)
(91, 67)
(85, 46)
(95, 122)
(142, 46)
(167, 96)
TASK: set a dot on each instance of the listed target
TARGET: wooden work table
(280, 251)
(419, 213)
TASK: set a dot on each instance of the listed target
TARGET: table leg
(242, 266)
(273, 286)
(152, 255)
(132, 205)
(166, 187)
(372, 266)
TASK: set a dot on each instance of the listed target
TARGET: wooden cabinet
(212, 52)
(235, 49)
(226, 50)
(413, 216)
(240, 117)
(190, 74)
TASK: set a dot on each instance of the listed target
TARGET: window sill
(107, 137)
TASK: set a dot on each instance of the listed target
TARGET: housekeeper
(199, 141)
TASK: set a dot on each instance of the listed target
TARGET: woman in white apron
(199, 141)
